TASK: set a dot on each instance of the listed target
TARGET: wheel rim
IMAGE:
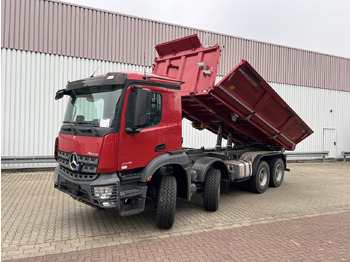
(263, 177)
(278, 173)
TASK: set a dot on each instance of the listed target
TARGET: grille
(89, 164)
(78, 176)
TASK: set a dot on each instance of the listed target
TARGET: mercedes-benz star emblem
(73, 161)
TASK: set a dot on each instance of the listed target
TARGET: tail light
(56, 149)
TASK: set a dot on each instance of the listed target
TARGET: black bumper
(128, 198)
(83, 191)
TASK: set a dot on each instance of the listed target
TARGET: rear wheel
(277, 172)
(260, 181)
(166, 204)
(211, 195)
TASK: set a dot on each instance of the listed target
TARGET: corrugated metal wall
(321, 109)
(70, 30)
(31, 118)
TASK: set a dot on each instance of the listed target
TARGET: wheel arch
(179, 164)
(167, 159)
(202, 165)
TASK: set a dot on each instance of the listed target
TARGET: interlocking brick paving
(37, 220)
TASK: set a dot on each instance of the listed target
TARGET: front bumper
(128, 198)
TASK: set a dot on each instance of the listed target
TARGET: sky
(316, 25)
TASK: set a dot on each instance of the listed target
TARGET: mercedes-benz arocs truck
(120, 144)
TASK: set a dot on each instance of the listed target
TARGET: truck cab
(115, 125)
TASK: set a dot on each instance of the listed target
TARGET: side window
(156, 109)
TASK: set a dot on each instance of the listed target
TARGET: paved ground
(307, 218)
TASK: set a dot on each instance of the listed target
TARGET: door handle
(160, 148)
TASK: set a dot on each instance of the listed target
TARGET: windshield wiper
(92, 125)
(70, 123)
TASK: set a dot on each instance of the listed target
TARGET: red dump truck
(120, 144)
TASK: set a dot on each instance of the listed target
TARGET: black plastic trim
(130, 82)
(118, 79)
(160, 148)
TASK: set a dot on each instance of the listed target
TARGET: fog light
(109, 204)
(103, 192)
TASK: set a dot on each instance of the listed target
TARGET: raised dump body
(243, 102)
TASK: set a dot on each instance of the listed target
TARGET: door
(330, 142)
(139, 148)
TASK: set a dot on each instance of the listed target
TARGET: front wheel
(166, 204)
(211, 194)
(260, 181)
(277, 172)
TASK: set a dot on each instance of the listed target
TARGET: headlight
(103, 192)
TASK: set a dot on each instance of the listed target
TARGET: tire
(277, 172)
(211, 195)
(166, 204)
(260, 182)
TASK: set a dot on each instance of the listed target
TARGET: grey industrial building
(46, 43)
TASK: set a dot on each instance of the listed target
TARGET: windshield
(95, 106)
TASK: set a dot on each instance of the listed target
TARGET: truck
(120, 143)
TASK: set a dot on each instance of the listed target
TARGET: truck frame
(120, 144)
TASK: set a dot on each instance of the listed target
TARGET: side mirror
(59, 94)
(139, 110)
(142, 108)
